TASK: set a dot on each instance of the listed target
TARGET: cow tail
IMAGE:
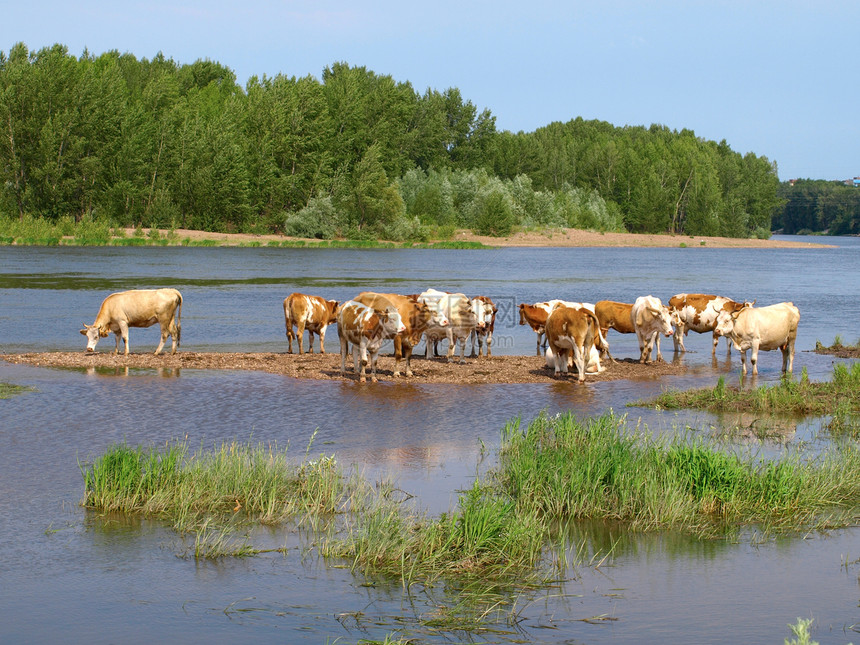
(287, 322)
(179, 319)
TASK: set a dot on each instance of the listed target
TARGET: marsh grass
(8, 390)
(597, 468)
(797, 397)
(186, 488)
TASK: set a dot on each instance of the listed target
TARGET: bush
(316, 220)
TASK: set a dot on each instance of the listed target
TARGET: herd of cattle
(574, 333)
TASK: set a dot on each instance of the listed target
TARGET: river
(74, 576)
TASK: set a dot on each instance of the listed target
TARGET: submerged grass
(789, 396)
(8, 390)
(565, 467)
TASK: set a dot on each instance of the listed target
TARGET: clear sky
(778, 78)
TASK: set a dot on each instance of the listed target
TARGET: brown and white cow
(761, 328)
(367, 329)
(571, 330)
(311, 313)
(137, 308)
(485, 313)
(698, 312)
(415, 317)
(456, 310)
(535, 316)
(650, 318)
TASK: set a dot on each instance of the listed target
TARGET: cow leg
(344, 350)
(754, 357)
(374, 355)
(449, 333)
(579, 359)
(407, 354)
(474, 340)
(290, 335)
(362, 347)
(164, 333)
(310, 341)
(489, 343)
(174, 331)
(123, 328)
(657, 343)
(539, 334)
(300, 334)
(716, 342)
(462, 340)
(321, 334)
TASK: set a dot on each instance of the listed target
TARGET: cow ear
(84, 332)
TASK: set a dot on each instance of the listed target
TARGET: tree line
(818, 206)
(155, 143)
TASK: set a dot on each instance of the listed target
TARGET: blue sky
(776, 78)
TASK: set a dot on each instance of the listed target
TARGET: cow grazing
(573, 331)
(311, 313)
(455, 309)
(367, 329)
(415, 317)
(765, 328)
(485, 313)
(137, 308)
(650, 318)
(698, 312)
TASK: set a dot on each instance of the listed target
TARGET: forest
(352, 154)
(818, 206)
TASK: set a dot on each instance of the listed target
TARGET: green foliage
(155, 144)
(814, 206)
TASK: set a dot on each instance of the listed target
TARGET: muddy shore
(492, 370)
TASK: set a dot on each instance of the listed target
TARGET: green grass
(796, 397)
(567, 468)
(8, 390)
(837, 347)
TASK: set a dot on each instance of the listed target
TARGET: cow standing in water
(308, 312)
(650, 318)
(137, 308)
(698, 312)
(765, 328)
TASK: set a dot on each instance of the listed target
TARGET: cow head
(391, 321)
(93, 333)
(726, 321)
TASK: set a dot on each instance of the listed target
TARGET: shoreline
(555, 238)
(495, 370)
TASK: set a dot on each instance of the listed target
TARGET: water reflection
(119, 370)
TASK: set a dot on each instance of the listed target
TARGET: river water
(73, 576)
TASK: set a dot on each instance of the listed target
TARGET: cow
(765, 328)
(455, 309)
(571, 330)
(650, 318)
(415, 317)
(614, 315)
(137, 308)
(367, 329)
(698, 312)
(485, 313)
(311, 313)
(535, 317)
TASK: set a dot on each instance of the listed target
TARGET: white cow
(650, 318)
(137, 308)
(455, 309)
(765, 328)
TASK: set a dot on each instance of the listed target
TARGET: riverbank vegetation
(553, 471)
(789, 396)
(354, 154)
(838, 348)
